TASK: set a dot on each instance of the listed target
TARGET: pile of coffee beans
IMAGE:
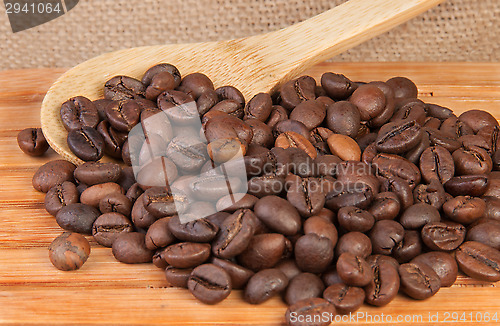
(356, 191)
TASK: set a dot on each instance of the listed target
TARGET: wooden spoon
(253, 64)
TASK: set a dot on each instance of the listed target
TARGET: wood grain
(107, 292)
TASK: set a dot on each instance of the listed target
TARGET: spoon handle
(289, 51)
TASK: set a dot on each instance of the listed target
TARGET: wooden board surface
(107, 292)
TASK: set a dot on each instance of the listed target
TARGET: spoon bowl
(260, 63)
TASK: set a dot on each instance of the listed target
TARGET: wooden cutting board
(104, 291)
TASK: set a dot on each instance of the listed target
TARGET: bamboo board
(107, 292)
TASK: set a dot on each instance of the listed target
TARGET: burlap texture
(457, 30)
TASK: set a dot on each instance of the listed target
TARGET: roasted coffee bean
(413, 110)
(297, 91)
(188, 152)
(264, 285)
(475, 140)
(161, 201)
(354, 270)
(262, 133)
(228, 127)
(313, 253)
(384, 285)
(264, 251)
(266, 185)
(206, 101)
(345, 194)
(259, 107)
(109, 226)
(130, 248)
(385, 206)
(390, 166)
(343, 118)
(32, 141)
(289, 268)
(409, 247)
(479, 261)
(234, 234)
(196, 84)
(319, 135)
(306, 195)
(493, 189)
(86, 143)
(115, 202)
(69, 251)
(61, 195)
(292, 139)
(77, 218)
(113, 139)
(478, 119)
(178, 277)
(344, 147)
(326, 165)
(187, 254)
(278, 215)
(369, 100)
(233, 202)
(472, 185)
(492, 208)
(140, 216)
(419, 281)
(79, 112)
(438, 111)
(213, 187)
(230, 93)
(439, 138)
(418, 215)
(160, 82)
(472, 160)
(310, 312)
(239, 274)
(180, 108)
(356, 243)
(310, 113)
(356, 173)
(92, 173)
(123, 116)
(231, 107)
(162, 67)
(330, 277)
(278, 113)
(398, 137)
(121, 88)
(101, 105)
(403, 87)
(159, 235)
(345, 298)
(337, 86)
(455, 128)
(432, 194)
(201, 230)
(400, 187)
(303, 286)
(53, 173)
(431, 122)
(464, 209)
(487, 233)
(209, 283)
(442, 263)
(93, 195)
(378, 259)
(385, 236)
(355, 219)
(322, 227)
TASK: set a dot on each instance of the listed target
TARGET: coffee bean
(188, 152)
(472, 160)
(346, 299)
(344, 147)
(115, 202)
(464, 209)
(187, 254)
(93, 195)
(140, 216)
(121, 88)
(418, 215)
(370, 101)
(310, 113)
(297, 91)
(438, 111)
(419, 281)
(278, 113)
(346, 194)
(231, 107)
(123, 116)
(414, 110)
(398, 137)
(201, 230)
(322, 227)
(313, 253)
(479, 261)
(230, 203)
(305, 194)
(61, 195)
(442, 263)
(310, 312)
(337, 86)
(159, 83)
(196, 84)
(278, 215)
(292, 139)
(234, 234)
(79, 112)
(384, 285)
(161, 202)
(239, 274)
(113, 140)
(439, 138)
(385, 206)
(162, 67)
(385, 236)
(32, 141)
(355, 219)
(400, 187)
(262, 133)
(264, 285)
(109, 226)
(92, 173)
(355, 243)
(343, 118)
(69, 251)
(264, 251)
(403, 87)
(86, 143)
(443, 235)
(303, 286)
(259, 107)
(472, 185)
(353, 270)
(487, 233)
(77, 218)
(53, 173)
(390, 166)
(478, 119)
(289, 268)
(180, 108)
(178, 277)
(432, 194)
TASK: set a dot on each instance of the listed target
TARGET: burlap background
(457, 30)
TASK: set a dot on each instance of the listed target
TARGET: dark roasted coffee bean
(355, 219)
(356, 243)
(438, 138)
(354, 270)
(319, 135)
(409, 247)
(262, 133)
(140, 216)
(264, 251)
(385, 236)
(52, 173)
(303, 286)
(472, 185)
(455, 128)
(385, 206)
(289, 268)
(158, 259)
(86, 143)
(113, 139)
(115, 202)
(322, 227)
(403, 87)
(206, 101)
(162, 67)
(370, 101)
(69, 251)
(179, 107)
(419, 281)
(378, 259)
(231, 107)
(330, 277)
(464, 209)
(196, 84)
(178, 277)
(472, 160)
(77, 218)
(343, 118)
(478, 119)
(32, 141)
(313, 253)
(326, 165)
(159, 235)
(201, 230)
(61, 195)
(161, 202)
(297, 91)
(234, 234)
(233, 202)
(438, 111)
(278, 215)
(479, 261)
(266, 185)
(345, 194)
(259, 107)
(475, 140)
(310, 113)
(93, 195)
(337, 86)
(159, 83)
(101, 105)
(398, 137)
(306, 195)
(431, 122)
(432, 194)
(230, 93)
(228, 127)
(209, 283)
(384, 285)
(123, 116)
(400, 187)
(442, 263)
(390, 166)
(492, 208)
(79, 112)
(92, 173)
(188, 152)
(413, 110)
(345, 298)
(487, 233)
(187, 254)
(418, 215)
(264, 285)
(121, 88)
(109, 226)
(130, 248)
(239, 274)
(278, 113)
(310, 312)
